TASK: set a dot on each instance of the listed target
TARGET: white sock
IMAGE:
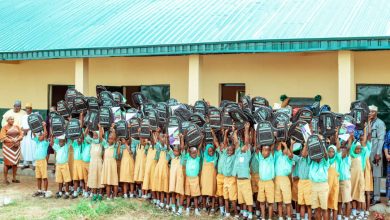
(227, 214)
(367, 212)
(258, 212)
(60, 193)
(354, 212)
(250, 215)
(74, 193)
(338, 217)
(280, 218)
(306, 215)
(180, 209)
(162, 204)
(222, 209)
(361, 214)
(244, 213)
(131, 195)
(288, 218)
(67, 193)
(298, 217)
(197, 212)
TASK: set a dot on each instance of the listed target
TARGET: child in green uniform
(86, 158)
(192, 188)
(78, 178)
(40, 163)
(61, 147)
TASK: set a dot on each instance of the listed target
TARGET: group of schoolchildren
(233, 176)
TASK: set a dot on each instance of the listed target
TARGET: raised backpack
(121, 129)
(93, 120)
(134, 126)
(227, 121)
(315, 125)
(295, 131)
(281, 131)
(147, 107)
(359, 104)
(153, 119)
(57, 123)
(280, 118)
(264, 134)
(35, 123)
(63, 109)
(73, 130)
(106, 102)
(258, 101)
(172, 102)
(106, 95)
(249, 116)
(183, 114)
(173, 121)
(327, 123)
(184, 125)
(207, 133)
(99, 89)
(138, 99)
(193, 136)
(238, 117)
(92, 103)
(316, 147)
(201, 107)
(118, 98)
(79, 105)
(246, 102)
(361, 117)
(162, 113)
(215, 119)
(71, 94)
(145, 128)
(262, 113)
(303, 114)
(198, 119)
(105, 117)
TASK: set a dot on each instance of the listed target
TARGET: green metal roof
(42, 29)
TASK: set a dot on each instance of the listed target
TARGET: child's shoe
(37, 193)
(58, 195)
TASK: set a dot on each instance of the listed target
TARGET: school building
(186, 49)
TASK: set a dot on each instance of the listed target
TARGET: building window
(232, 91)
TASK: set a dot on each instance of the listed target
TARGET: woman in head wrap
(10, 136)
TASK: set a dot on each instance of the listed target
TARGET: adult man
(378, 131)
(28, 145)
(16, 112)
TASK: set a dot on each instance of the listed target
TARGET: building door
(232, 91)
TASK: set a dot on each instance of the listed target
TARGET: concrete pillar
(194, 72)
(82, 75)
(346, 80)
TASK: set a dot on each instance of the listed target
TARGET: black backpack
(105, 117)
(359, 104)
(361, 117)
(93, 103)
(134, 126)
(57, 123)
(145, 128)
(163, 113)
(327, 123)
(262, 113)
(215, 119)
(73, 130)
(303, 114)
(198, 119)
(315, 125)
(183, 113)
(201, 107)
(71, 94)
(172, 102)
(153, 119)
(193, 136)
(265, 134)
(295, 131)
(207, 133)
(280, 118)
(174, 121)
(79, 105)
(35, 123)
(105, 102)
(147, 107)
(106, 95)
(249, 116)
(227, 121)
(118, 98)
(93, 120)
(281, 131)
(121, 129)
(316, 147)
(238, 117)
(138, 99)
(63, 109)
(99, 89)
(258, 101)
(246, 102)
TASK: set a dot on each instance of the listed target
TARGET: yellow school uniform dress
(161, 172)
(368, 180)
(208, 180)
(357, 173)
(333, 182)
(109, 171)
(176, 176)
(140, 159)
(150, 165)
(127, 166)
(71, 162)
(95, 164)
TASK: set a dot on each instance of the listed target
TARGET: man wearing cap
(28, 145)
(17, 113)
(378, 131)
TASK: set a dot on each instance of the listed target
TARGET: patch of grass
(89, 210)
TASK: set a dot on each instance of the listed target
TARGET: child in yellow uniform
(318, 175)
(266, 185)
(140, 159)
(345, 183)
(78, 177)
(40, 163)
(150, 164)
(86, 158)
(283, 168)
(176, 177)
(221, 162)
(254, 169)
(62, 168)
(161, 172)
(109, 171)
(192, 187)
(208, 177)
(96, 162)
(126, 175)
(333, 180)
